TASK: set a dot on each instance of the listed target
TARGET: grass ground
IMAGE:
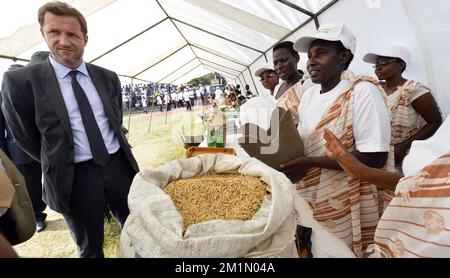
(151, 149)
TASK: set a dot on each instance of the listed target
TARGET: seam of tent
(223, 70)
(130, 39)
(219, 71)
(176, 27)
(216, 35)
(218, 55)
(162, 60)
(222, 73)
(185, 74)
(177, 69)
(127, 76)
(206, 60)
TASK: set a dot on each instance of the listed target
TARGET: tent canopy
(173, 41)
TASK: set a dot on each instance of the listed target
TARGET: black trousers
(93, 187)
(32, 173)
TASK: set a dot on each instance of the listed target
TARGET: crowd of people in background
(142, 96)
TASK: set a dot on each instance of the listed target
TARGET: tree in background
(206, 80)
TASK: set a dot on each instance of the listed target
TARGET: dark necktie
(99, 152)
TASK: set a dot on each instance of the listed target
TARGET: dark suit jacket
(34, 108)
(8, 143)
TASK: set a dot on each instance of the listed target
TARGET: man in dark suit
(68, 115)
(30, 168)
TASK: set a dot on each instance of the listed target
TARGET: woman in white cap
(268, 77)
(354, 110)
(414, 223)
(414, 112)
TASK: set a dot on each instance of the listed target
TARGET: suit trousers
(93, 186)
(32, 172)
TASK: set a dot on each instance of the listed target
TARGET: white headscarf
(423, 152)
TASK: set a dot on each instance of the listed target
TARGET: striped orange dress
(290, 100)
(347, 207)
(405, 121)
(416, 222)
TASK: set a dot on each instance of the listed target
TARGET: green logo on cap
(324, 30)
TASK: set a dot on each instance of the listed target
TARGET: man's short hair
(62, 9)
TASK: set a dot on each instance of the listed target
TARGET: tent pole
(253, 80)
(129, 109)
(15, 59)
(151, 113)
(167, 106)
(295, 7)
(245, 80)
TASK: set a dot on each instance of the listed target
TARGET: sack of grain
(155, 227)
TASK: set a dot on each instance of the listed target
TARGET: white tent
(173, 41)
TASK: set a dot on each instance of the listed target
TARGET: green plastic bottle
(211, 136)
(219, 136)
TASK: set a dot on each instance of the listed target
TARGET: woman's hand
(297, 168)
(338, 152)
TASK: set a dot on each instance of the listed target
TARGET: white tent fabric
(173, 41)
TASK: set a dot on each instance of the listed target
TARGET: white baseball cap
(328, 32)
(394, 51)
(265, 68)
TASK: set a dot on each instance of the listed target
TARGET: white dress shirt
(82, 150)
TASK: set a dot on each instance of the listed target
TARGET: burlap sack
(154, 226)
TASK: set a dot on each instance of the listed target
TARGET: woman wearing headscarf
(414, 112)
(354, 110)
